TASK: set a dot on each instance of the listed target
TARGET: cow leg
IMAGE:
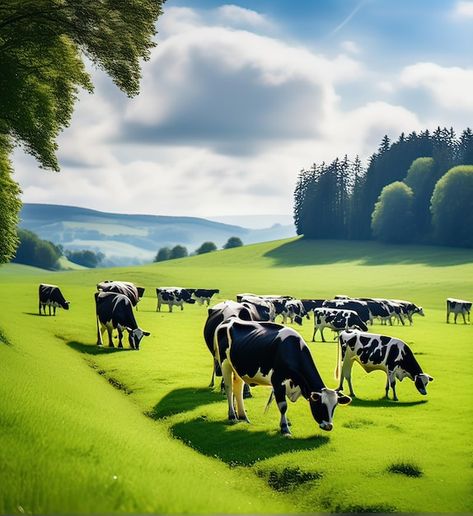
(100, 330)
(120, 337)
(455, 317)
(110, 340)
(39, 308)
(346, 373)
(238, 391)
(464, 320)
(322, 333)
(212, 380)
(392, 383)
(246, 391)
(315, 331)
(280, 397)
(54, 310)
(158, 306)
(49, 309)
(227, 374)
(448, 316)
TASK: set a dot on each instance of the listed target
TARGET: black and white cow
(202, 295)
(217, 315)
(409, 309)
(294, 310)
(379, 352)
(121, 287)
(360, 307)
(458, 306)
(265, 307)
(115, 311)
(311, 304)
(270, 354)
(51, 296)
(174, 296)
(337, 320)
(378, 310)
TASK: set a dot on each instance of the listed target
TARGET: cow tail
(337, 369)
(270, 399)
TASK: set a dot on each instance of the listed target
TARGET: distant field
(84, 429)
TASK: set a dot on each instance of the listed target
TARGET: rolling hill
(99, 430)
(133, 239)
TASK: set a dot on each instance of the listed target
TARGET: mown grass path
(85, 429)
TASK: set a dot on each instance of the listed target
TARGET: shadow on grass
(383, 402)
(93, 349)
(236, 444)
(183, 400)
(319, 252)
(38, 315)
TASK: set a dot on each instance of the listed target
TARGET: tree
(85, 257)
(163, 254)
(451, 207)
(233, 242)
(391, 220)
(206, 247)
(43, 44)
(34, 251)
(178, 251)
(10, 205)
(421, 179)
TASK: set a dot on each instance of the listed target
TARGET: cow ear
(146, 333)
(343, 399)
(315, 396)
(128, 329)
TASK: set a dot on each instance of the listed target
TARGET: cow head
(322, 406)
(65, 305)
(135, 336)
(419, 310)
(421, 380)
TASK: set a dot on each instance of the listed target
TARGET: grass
(84, 429)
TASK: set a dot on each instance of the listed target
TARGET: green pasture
(86, 429)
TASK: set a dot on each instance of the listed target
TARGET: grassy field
(84, 429)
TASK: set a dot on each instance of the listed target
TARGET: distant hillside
(133, 239)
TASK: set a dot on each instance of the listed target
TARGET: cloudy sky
(238, 98)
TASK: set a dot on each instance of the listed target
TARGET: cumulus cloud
(350, 46)
(450, 87)
(227, 116)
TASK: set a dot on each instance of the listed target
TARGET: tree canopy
(42, 48)
(206, 247)
(32, 250)
(452, 207)
(392, 216)
(10, 205)
(233, 242)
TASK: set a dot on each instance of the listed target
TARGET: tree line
(417, 188)
(180, 251)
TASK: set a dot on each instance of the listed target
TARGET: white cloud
(449, 87)
(235, 15)
(225, 120)
(350, 46)
(463, 9)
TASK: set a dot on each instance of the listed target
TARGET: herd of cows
(248, 348)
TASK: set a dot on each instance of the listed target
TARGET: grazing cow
(458, 306)
(378, 309)
(265, 307)
(409, 309)
(360, 307)
(202, 295)
(295, 311)
(121, 287)
(311, 304)
(51, 296)
(374, 352)
(270, 354)
(217, 315)
(337, 320)
(174, 296)
(115, 311)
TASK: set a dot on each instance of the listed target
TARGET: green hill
(132, 239)
(85, 429)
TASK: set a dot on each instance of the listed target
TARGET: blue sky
(239, 96)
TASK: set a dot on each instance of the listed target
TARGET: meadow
(88, 429)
